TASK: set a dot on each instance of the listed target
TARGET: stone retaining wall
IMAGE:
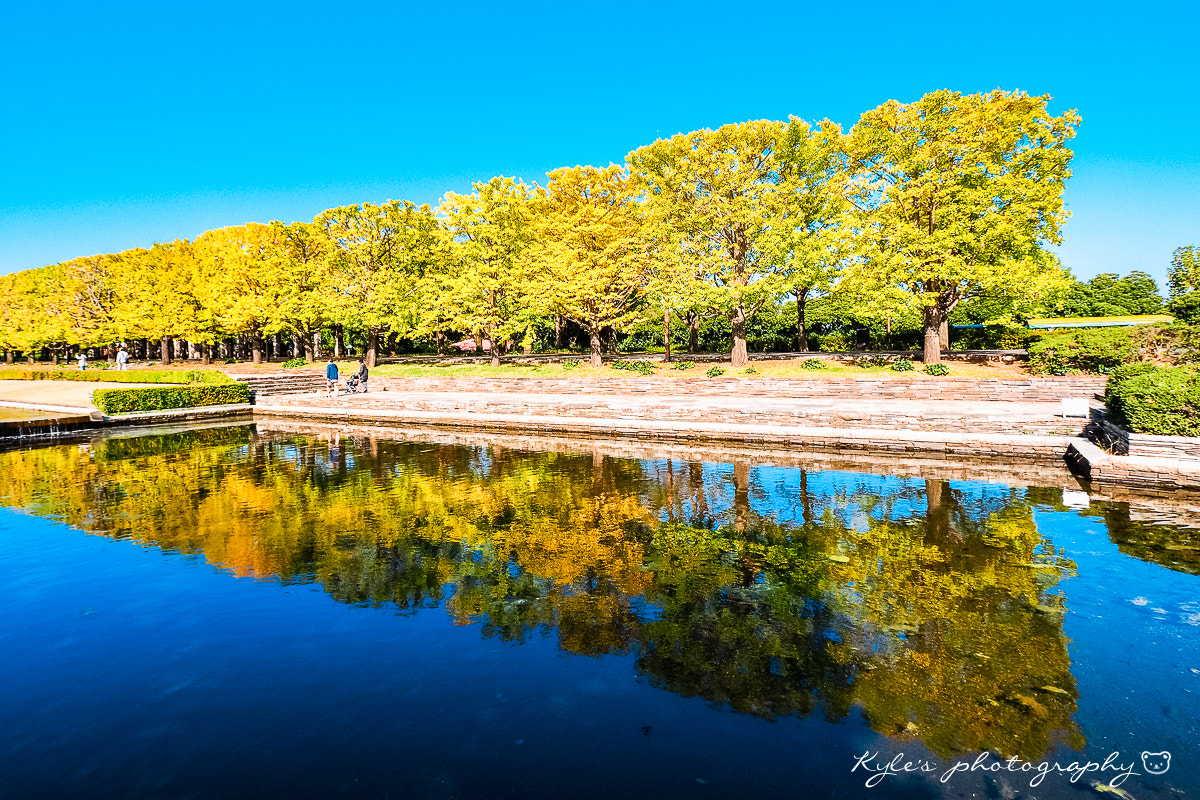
(1166, 474)
(1049, 388)
(890, 442)
(1119, 441)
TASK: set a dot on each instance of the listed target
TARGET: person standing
(122, 359)
(82, 361)
(331, 377)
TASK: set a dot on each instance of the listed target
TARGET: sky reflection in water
(833, 613)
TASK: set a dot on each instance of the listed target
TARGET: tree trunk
(296, 347)
(478, 342)
(741, 496)
(737, 319)
(256, 345)
(339, 342)
(597, 360)
(372, 348)
(666, 336)
(316, 346)
(693, 323)
(54, 357)
(558, 332)
(205, 354)
(29, 357)
(391, 343)
(440, 340)
(165, 346)
(933, 345)
(801, 322)
(944, 334)
(8, 356)
(494, 349)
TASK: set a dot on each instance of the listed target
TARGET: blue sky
(125, 124)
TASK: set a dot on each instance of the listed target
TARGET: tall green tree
(487, 285)
(589, 255)
(1183, 278)
(957, 196)
(377, 254)
(1110, 295)
(808, 240)
(717, 192)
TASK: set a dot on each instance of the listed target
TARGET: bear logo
(1156, 763)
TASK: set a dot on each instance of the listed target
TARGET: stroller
(356, 385)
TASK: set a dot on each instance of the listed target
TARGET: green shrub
(640, 367)
(1159, 400)
(937, 369)
(125, 401)
(1095, 350)
(835, 343)
(814, 363)
(569, 365)
(750, 371)
(1123, 373)
(873, 361)
(684, 365)
(292, 363)
(902, 365)
(714, 372)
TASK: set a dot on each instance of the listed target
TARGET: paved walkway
(75, 395)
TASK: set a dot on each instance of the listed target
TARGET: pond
(240, 611)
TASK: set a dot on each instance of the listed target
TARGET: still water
(239, 612)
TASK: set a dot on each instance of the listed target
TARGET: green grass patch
(468, 371)
(205, 376)
(640, 367)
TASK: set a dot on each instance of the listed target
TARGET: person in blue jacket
(331, 378)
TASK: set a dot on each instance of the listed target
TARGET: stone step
(293, 383)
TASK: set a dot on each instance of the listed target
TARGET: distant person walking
(331, 378)
(122, 359)
(82, 361)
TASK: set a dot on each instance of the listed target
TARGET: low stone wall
(48, 426)
(1119, 441)
(1034, 389)
(1150, 473)
(839, 440)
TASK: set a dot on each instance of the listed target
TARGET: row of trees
(915, 209)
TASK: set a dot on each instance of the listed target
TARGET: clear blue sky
(124, 124)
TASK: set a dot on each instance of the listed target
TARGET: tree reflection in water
(929, 605)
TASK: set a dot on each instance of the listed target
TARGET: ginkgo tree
(808, 239)
(486, 284)
(589, 253)
(376, 257)
(717, 192)
(957, 195)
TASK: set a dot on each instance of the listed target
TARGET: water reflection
(930, 605)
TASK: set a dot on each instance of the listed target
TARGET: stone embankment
(983, 418)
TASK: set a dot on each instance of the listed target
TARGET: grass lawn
(792, 368)
(762, 369)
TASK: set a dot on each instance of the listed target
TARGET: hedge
(1156, 400)
(1097, 350)
(208, 376)
(125, 401)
